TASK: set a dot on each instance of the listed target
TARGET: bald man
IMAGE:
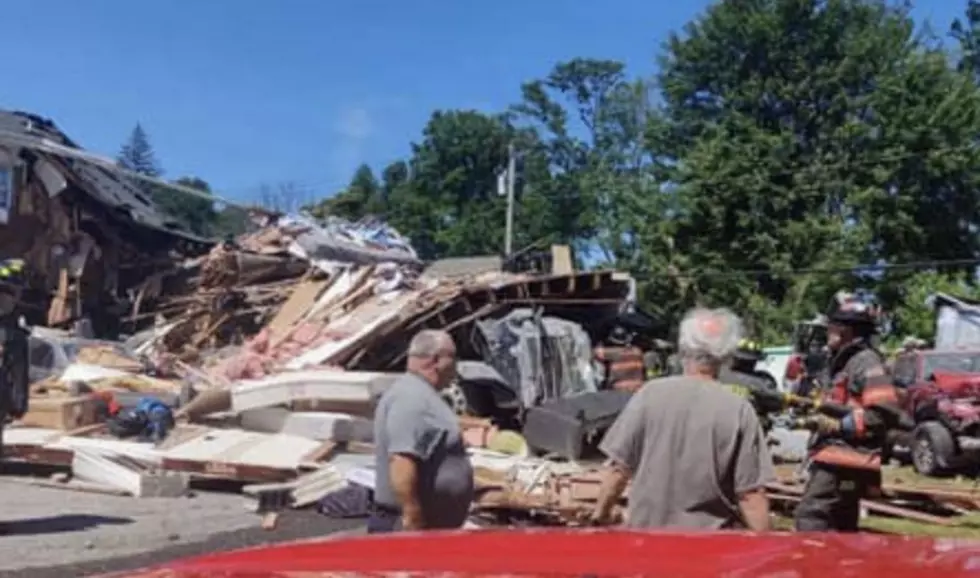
(423, 476)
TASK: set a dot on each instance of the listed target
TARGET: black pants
(832, 499)
(382, 520)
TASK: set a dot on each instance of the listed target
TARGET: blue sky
(246, 92)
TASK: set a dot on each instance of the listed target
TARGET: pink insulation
(259, 358)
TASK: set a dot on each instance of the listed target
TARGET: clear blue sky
(245, 92)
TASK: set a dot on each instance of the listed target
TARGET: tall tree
(804, 134)
(363, 196)
(966, 32)
(137, 154)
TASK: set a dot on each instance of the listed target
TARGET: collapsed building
(88, 233)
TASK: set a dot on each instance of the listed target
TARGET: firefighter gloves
(821, 424)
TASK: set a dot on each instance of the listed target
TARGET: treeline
(782, 143)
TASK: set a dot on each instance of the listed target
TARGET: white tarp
(957, 322)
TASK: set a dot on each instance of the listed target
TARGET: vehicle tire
(933, 449)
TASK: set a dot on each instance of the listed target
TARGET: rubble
(272, 351)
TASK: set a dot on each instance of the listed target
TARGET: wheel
(932, 449)
(456, 399)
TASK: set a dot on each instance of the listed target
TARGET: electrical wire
(736, 273)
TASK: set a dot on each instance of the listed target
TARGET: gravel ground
(62, 533)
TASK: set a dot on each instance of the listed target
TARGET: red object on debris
(597, 553)
(109, 399)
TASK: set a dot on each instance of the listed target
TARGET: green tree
(137, 154)
(229, 221)
(912, 317)
(805, 134)
(363, 196)
(966, 32)
(568, 114)
(195, 213)
(449, 205)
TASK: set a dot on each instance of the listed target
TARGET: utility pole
(511, 176)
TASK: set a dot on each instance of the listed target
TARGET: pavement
(58, 533)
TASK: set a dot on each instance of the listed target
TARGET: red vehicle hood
(601, 553)
(949, 380)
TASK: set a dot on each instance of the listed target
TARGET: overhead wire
(871, 267)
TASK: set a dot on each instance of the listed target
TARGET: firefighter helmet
(748, 349)
(848, 309)
(11, 276)
(619, 335)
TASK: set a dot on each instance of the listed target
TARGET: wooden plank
(229, 470)
(561, 260)
(292, 311)
(905, 513)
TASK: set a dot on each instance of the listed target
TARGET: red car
(592, 553)
(941, 392)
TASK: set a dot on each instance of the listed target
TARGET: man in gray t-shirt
(423, 476)
(695, 452)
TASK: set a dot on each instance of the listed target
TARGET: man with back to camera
(694, 450)
(423, 476)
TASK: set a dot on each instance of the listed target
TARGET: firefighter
(741, 369)
(845, 451)
(622, 361)
(741, 377)
(14, 359)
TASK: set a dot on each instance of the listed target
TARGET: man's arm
(412, 441)
(403, 472)
(623, 445)
(880, 409)
(753, 470)
(615, 476)
(754, 506)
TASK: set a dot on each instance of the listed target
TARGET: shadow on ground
(59, 524)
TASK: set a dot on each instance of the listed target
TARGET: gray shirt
(413, 419)
(693, 447)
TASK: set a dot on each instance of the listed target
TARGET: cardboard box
(61, 413)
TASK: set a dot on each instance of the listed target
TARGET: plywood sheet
(299, 303)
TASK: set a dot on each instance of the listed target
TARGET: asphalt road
(66, 534)
(292, 526)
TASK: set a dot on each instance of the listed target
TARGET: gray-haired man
(423, 476)
(694, 450)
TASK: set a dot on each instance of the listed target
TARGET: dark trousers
(382, 520)
(832, 499)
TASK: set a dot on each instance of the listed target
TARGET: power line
(735, 273)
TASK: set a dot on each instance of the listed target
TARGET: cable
(814, 271)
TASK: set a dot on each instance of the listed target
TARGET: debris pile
(265, 359)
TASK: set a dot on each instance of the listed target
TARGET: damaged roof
(109, 188)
